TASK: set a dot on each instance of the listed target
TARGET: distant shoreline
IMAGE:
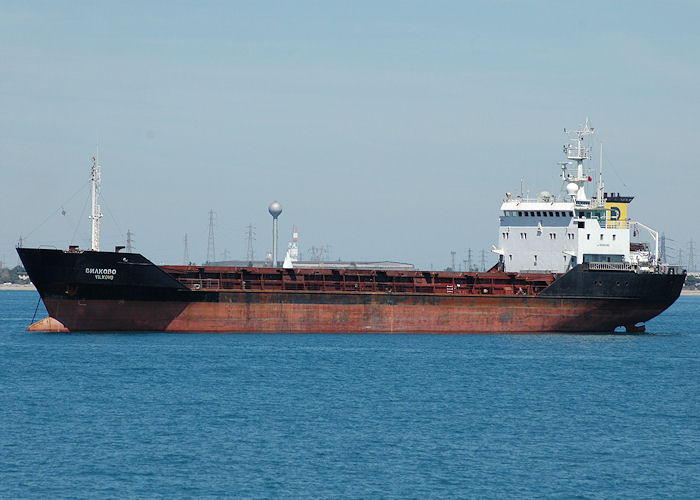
(17, 286)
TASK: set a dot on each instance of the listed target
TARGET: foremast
(96, 215)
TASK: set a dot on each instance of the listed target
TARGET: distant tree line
(12, 275)
(692, 281)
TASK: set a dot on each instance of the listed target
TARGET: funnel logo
(614, 213)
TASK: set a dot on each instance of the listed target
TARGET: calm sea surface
(169, 415)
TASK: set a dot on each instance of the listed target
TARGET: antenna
(601, 184)
(186, 256)
(576, 151)
(95, 179)
(211, 251)
(129, 247)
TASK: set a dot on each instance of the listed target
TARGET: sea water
(180, 415)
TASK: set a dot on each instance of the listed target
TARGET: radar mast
(577, 152)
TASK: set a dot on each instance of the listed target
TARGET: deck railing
(614, 224)
(608, 266)
(423, 283)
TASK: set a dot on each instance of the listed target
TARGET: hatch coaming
(350, 281)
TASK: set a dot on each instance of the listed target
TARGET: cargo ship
(565, 263)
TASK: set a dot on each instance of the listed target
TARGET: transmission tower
(483, 260)
(211, 251)
(691, 256)
(186, 257)
(662, 248)
(250, 234)
(453, 259)
(469, 260)
(320, 254)
(129, 246)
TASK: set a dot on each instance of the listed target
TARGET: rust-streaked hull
(141, 296)
(412, 314)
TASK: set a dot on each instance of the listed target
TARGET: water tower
(275, 210)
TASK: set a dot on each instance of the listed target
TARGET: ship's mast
(576, 151)
(601, 184)
(95, 179)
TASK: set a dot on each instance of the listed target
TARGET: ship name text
(101, 274)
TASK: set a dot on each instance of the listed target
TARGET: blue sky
(387, 130)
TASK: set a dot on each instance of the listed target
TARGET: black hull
(126, 292)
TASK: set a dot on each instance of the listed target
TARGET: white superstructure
(553, 233)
